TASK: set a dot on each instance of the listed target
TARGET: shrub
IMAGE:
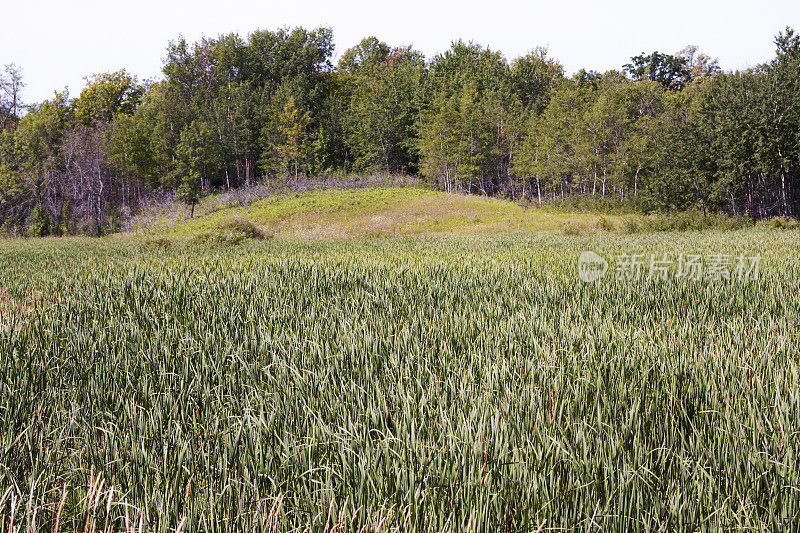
(241, 227)
(156, 243)
(39, 226)
(231, 231)
(605, 225)
(630, 226)
(780, 223)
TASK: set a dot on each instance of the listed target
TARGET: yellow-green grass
(389, 211)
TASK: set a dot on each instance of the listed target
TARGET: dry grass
(103, 508)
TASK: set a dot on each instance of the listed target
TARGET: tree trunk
(785, 200)
(539, 191)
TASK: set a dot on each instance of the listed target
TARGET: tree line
(665, 131)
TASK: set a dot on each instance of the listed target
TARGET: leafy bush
(156, 243)
(631, 225)
(780, 223)
(605, 225)
(231, 231)
(38, 223)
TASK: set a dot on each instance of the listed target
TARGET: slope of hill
(386, 211)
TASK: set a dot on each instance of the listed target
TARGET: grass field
(460, 382)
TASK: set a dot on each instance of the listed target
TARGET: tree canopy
(665, 131)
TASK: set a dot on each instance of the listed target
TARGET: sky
(58, 42)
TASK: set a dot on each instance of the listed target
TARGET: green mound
(386, 212)
(231, 231)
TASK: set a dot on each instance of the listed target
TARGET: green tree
(383, 112)
(287, 139)
(11, 103)
(369, 52)
(533, 76)
(670, 71)
(35, 166)
(107, 94)
(439, 143)
(133, 157)
(469, 90)
(700, 65)
(197, 156)
(780, 154)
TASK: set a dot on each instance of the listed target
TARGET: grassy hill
(387, 211)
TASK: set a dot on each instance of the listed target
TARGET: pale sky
(58, 42)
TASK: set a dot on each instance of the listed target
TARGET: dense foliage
(665, 132)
